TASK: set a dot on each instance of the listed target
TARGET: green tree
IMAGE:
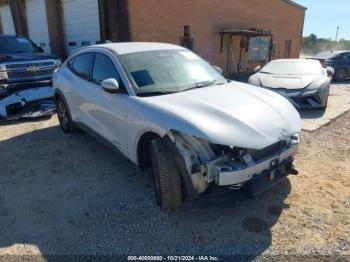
(313, 45)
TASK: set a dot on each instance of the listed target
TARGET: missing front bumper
(225, 172)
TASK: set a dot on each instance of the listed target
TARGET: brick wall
(163, 21)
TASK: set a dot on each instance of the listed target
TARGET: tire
(340, 74)
(64, 116)
(167, 176)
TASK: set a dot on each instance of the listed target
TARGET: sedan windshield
(168, 71)
(293, 67)
(12, 44)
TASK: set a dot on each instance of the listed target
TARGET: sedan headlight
(3, 72)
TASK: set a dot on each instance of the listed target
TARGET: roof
(133, 47)
(295, 4)
(329, 54)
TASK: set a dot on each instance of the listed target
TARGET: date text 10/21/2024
(173, 258)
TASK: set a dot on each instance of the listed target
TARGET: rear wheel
(167, 176)
(64, 117)
(340, 74)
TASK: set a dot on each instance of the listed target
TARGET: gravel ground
(69, 194)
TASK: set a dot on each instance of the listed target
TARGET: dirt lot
(69, 194)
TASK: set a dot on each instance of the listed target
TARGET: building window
(287, 48)
(186, 40)
(259, 48)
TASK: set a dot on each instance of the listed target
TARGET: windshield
(12, 44)
(166, 71)
(293, 67)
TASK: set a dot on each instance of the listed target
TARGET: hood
(287, 81)
(25, 57)
(234, 114)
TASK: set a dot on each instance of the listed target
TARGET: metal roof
(133, 47)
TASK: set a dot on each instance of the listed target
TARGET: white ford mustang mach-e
(164, 107)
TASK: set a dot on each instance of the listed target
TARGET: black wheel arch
(144, 159)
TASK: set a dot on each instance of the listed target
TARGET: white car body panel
(287, 81)
(234, 114)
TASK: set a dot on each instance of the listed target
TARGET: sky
(323, 16)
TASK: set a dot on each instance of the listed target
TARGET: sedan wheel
(340, 74)
(64, 117)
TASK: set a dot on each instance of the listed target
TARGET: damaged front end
(28, 104)
(235, 166)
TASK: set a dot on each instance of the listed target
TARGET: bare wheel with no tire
(167, 176)
(64, 117)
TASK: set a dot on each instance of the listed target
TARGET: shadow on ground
(69, 194)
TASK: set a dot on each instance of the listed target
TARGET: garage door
(37, 23)
(6, 20)
(81, 23)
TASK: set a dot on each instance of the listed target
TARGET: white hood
(287, 81)
(232, 114)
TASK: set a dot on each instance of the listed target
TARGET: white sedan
(303, 81)
(164, 107)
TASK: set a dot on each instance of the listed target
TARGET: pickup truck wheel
(64, 117)
(167, 176)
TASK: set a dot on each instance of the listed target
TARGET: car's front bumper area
(9, 88)
(28, 103)
(227, 172)
(304, 98)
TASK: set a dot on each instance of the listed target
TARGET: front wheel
(167, 176)
(64, 117)
(340, 74)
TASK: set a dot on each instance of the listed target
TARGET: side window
(103, 69)
(81, 65)
(346, 57)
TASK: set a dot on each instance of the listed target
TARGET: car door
(107, 111)
(78, 81)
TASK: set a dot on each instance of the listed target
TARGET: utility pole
(336, 35)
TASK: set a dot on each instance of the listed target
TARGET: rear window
(293, 67)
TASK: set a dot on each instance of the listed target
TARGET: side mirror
(218, 69)
(257, 69)
(110, 85)
(330, 71)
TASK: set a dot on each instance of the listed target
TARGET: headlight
(293, 140)
(3, 73)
